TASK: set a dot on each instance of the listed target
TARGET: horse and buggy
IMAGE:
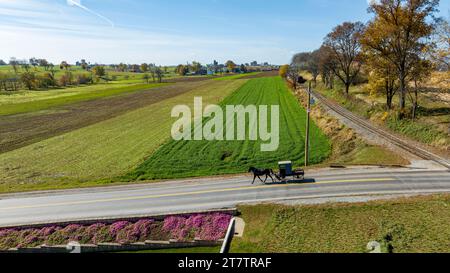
(286, 173)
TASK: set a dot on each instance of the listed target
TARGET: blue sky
(169, 32)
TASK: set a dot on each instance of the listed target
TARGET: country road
(213, 193)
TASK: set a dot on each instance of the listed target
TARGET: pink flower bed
(210, 227)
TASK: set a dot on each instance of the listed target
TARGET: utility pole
(308, 110)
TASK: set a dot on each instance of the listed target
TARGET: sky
(170, 32)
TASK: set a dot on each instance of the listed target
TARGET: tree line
(395, 52)
(25, 74)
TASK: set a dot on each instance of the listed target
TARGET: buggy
(286, 171)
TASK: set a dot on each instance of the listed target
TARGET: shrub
(182, 228)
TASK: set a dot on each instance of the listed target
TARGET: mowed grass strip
(413, 225)
(101, 151)
(179, 159)
(25, 102)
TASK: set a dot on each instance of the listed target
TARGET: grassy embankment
(200, 158)
(26, 101)
(348, 148)
(431, 126)
(93, 155)
(414, 225)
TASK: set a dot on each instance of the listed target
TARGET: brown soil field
(17, 131)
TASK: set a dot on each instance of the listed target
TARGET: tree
(84, 64)
(243, 68)
(34, 62)
(122, 67)
(146, 78)
(15, 64)
(64, 65)
(66, 79)
(196, 67)
(293, 75)
(144, 68)
(420, 72)
(382, 77)
(159, 74)
(99, 71)
(2, 62)
(345, 51)
(441, 54)
(326, 66)
(308, 61)
(28, 79)
(283, 71)
(43, 63)
(398, 34)
(231, 66)
(181, 70)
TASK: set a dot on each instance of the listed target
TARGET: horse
(260, 172)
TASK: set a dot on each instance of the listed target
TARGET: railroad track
(400, 143)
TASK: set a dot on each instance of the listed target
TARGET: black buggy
(286, 171)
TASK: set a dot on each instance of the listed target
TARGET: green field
(30, 101)
(179, 159)
(414, 225)
(103, 150)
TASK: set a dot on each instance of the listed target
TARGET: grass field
(24, 102)
(199, 158)
(414, 225)
(101, 151)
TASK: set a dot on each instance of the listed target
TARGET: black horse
(260, 172)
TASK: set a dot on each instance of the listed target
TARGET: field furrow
(197, 158)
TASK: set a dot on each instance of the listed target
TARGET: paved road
(212, 193)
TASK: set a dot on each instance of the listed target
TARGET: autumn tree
(382, 79)
(231, 66)
(283, 71)
(29, 79)
(398, 34)
(345, 51)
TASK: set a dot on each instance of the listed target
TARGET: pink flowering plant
(210, 227)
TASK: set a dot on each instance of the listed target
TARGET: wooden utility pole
(308, 110)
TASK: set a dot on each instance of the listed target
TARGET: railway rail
(400, 143)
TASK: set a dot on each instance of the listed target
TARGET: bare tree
(345, 51)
